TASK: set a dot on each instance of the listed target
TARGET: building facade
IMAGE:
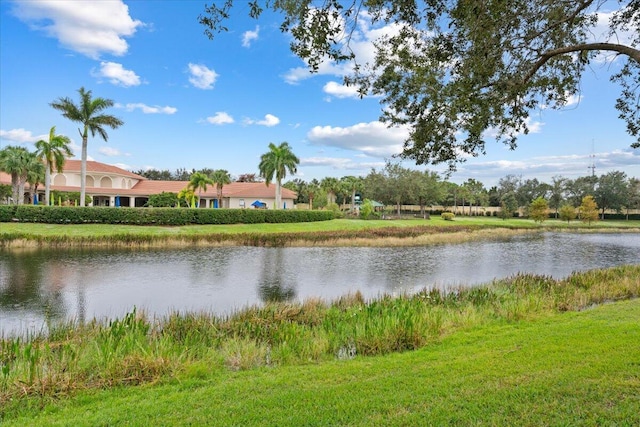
(109, 185)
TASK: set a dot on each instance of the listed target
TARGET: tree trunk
(83, 169)
(47, 183)
(15, 188)
(353, 200)
(278, 195)
(22, 181)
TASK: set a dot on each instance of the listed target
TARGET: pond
(47, 285)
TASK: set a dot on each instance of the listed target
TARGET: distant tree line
(183, 174)
(395, 186)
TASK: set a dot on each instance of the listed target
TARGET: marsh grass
(136, 349)
(339, 232)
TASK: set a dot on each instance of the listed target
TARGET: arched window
(60, 179)
(105, 182)
(90, 181)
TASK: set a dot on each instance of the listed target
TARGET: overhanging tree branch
(612, 47)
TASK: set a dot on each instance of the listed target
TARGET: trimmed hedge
(155, 216)
(620, 216)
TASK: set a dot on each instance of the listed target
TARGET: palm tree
(220, 178)
(331, 185)
(88, 113)
(35, 175)
(199, 181)
(53, 152)
(275, 163)
(353, 184)
(312, 189)
(16, 162)
(186, 194)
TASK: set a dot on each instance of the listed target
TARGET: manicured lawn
(88, 230)
(573, 368)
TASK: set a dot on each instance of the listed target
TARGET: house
(109, 185)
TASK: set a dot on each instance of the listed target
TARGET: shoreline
(374, 237)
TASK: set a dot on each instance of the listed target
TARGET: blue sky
(189, 102)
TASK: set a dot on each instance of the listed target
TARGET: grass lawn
(88, 230)
(572, 368)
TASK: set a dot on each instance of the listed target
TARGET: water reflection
(274, 285)
(22, 288)
(43, 286)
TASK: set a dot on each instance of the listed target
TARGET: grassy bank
(341, 232)
(49, 379)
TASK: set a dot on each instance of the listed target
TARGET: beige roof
(145, 187)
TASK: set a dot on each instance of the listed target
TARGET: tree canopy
(89, 113)
(458, 72)
(275, 163)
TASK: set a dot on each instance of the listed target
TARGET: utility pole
(592, 166)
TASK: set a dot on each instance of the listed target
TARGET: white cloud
(573, 100)
(340, 163)
(123, 166)
(201, 76)
(601, 34)
(533, 126)
(269, 121)
(220, 118)
(250, 36)
(117, 74)
(21, 136)
(361, 42)
(373, 139)
(147, 109)
(341, 91)
(87, 27)
(109, 151)
(545, 167)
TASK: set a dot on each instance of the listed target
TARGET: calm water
(52, 285)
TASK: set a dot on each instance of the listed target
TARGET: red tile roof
(145, 187)
(92, 166)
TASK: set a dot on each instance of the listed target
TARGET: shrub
(156, 216)
(538, 210)
(567, 213)
(367, 210)
(448, 216)
(163, 200)
(7, 212)
(333, 207)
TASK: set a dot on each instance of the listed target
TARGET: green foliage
(335, 208)
(7, 213)
(163, 200)
(568, 212)
(5, 192)
(163, 216)
(90, 114)
(68, 198)
(453, 67)
(448, 216)
(367, 210)
(136, 350)
(274, 165)
(508, 205)
(538, 210)
(588, 210)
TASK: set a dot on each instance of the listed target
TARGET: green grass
(574, 368)
(72, 361)
(17, 234)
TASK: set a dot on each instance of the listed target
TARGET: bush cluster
(155, 216)
(447, 216)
